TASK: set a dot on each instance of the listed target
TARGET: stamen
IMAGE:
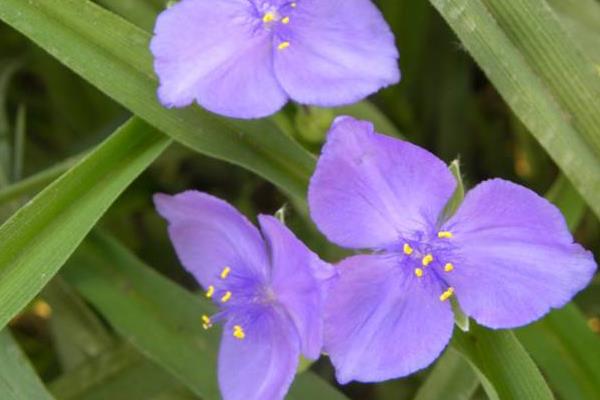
(418, 272)
(447, 294)
(226, 297)
(445, 235)
(206, 323)
(283, 45)
(225, 272)
(407, 249)
(448, 267)
(285, 20)
(269, 17)
(238, 332)
(428, 259)
(210, 292)
(293, 5)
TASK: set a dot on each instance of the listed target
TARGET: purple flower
(267, 288)
(246, 58)
(506, 254)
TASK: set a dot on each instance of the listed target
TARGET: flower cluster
(505, 257)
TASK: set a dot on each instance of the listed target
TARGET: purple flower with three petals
(246, 58)
(267, 288)
(506, 254)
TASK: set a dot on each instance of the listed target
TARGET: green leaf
(504, 368)
(158, 317)
(118, 374)
(116, 59)
(40, 237)
(542, 75)
(451, 378)
(18, 380)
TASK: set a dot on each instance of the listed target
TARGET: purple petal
(209, 234)
(381, 322)
(214, 53)
(515, 257)
(339, 52)
(263, 364)
(369, 189)
(294, 280)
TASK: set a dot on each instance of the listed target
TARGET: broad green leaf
(115, 58)
(118, 374)
(549, 85)
(504, 368)
(78, 335)
(158, 317)
(39, 238)
(18, 380)
(451, 378)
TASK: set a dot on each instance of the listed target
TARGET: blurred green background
(50, 116)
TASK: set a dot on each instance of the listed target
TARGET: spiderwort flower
(246, 58)
(506, 254)
(267, 288)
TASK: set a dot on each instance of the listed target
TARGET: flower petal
(214, 53)
(369, 189)
(209, 234)
(382, 322)
(263, 364)
(339, 52)
(515, 257)
(294, 280)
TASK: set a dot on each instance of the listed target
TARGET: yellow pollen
(444, 235)
(447, 294)
(210, 292)
(407, 249)
(226, 297)
(238, 332)
(285, 20)
(283, 45)
(269, 17)
(428, 259)
(448, 267)
(225, 272)
(206, 323)
(418, 272)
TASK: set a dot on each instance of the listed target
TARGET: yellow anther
(428, 259)
(418, 272)
(210, 292)
(225, 273)
(448, 267)
(285, 20)
(447, 294)
(269, 17)
(226, 297)
(283, 45)
(206, 323)
(407, 249)
(238, 332)
(444, 235)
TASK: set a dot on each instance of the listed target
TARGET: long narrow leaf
(541, 75)
(40, 237)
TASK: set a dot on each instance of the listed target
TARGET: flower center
(238, 297)
(430, 256)
(273, 16)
